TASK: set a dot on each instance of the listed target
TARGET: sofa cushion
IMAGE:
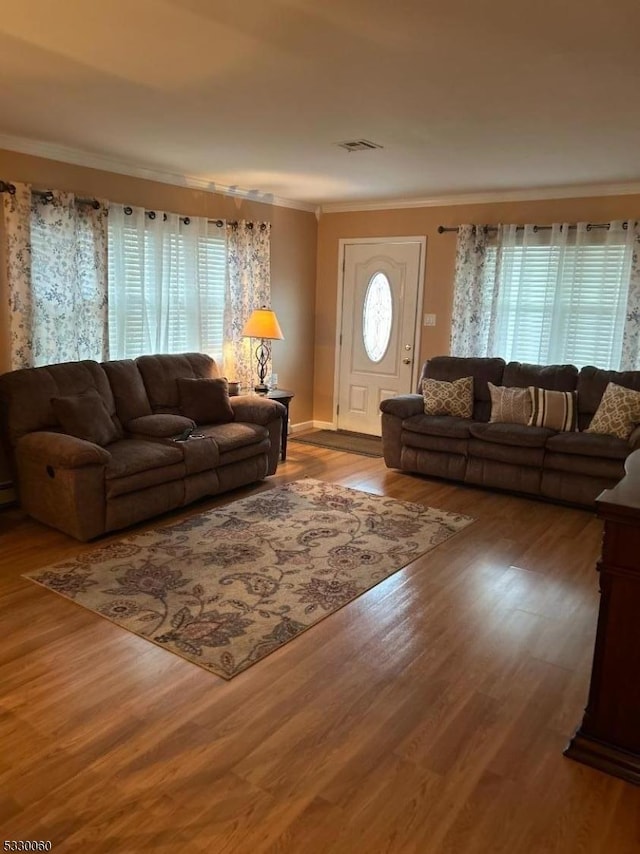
(448, 398)
(206, 401)
(438, 425)
(551, 377)
(432, 463)
(160, 373)
(511, 434)
(589, 445)
(557, 410)
(510, 405)
(618, 413)
(86, 417)
(130, 456)
(483, 371)
(228, 437)
(444, 444)
(579, 464)
(592, 383)
(136, 465)
(27, 394)
(515, 455)
(160, 425)
(128, 389)
(245, 452)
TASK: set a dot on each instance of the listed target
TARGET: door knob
(406, 361)
(407, 346)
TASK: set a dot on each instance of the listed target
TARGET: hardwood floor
(429, 715)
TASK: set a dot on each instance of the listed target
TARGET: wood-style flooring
(429, 715)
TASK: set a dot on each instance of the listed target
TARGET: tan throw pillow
(555, 410)
(85, 416)
(618, 412)
(205, 401)
(510, 405)
(444, 398)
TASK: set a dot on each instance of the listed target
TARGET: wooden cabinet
(609, 736)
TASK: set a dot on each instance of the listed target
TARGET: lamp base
(261, 389)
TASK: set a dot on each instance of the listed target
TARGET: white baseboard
(324, 425)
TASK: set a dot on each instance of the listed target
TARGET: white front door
(377, 336)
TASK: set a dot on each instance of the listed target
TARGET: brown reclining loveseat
(133, 468)
(572, 467)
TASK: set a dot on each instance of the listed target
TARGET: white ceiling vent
(358, 145)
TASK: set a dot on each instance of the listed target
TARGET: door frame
(342, 244)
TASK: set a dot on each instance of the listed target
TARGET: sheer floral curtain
(471, 316)
(630, 359)
(17, 297)
(55, 250)
(248, 287)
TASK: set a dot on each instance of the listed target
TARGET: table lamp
(263, 324)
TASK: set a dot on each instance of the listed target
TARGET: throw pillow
(205, 401)
(85, 416)
(448, 398)
(510, 405)
(555, 410)
(618, 412)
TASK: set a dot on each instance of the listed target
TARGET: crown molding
(534, 194)
(77, 157)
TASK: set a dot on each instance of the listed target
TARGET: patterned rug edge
(219, 672)
(145, 638)
(208, 668)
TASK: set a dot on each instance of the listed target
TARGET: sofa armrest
(403, 406)
(256, 410)
(61, 450)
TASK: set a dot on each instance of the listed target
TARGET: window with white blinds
(166, 285)
(559, 304)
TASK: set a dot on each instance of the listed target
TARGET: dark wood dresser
(609, 736)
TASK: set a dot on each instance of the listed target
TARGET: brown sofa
(570, 467)
(137, 470)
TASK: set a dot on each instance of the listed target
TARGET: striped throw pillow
(556, 410)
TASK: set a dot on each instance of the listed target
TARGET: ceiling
(465, 97)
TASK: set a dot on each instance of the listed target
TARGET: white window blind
(166, 285)
(560, 302)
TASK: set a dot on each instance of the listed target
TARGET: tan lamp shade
(263, 323)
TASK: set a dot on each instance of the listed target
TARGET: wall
(438, 290)
(293, 252)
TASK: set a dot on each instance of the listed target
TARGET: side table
(609, 736)
(282, 396)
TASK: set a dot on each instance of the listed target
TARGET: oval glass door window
(377, 317)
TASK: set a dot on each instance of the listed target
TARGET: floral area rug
(227, 587)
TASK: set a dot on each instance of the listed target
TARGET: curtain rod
(442, 229)
(48, 196)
